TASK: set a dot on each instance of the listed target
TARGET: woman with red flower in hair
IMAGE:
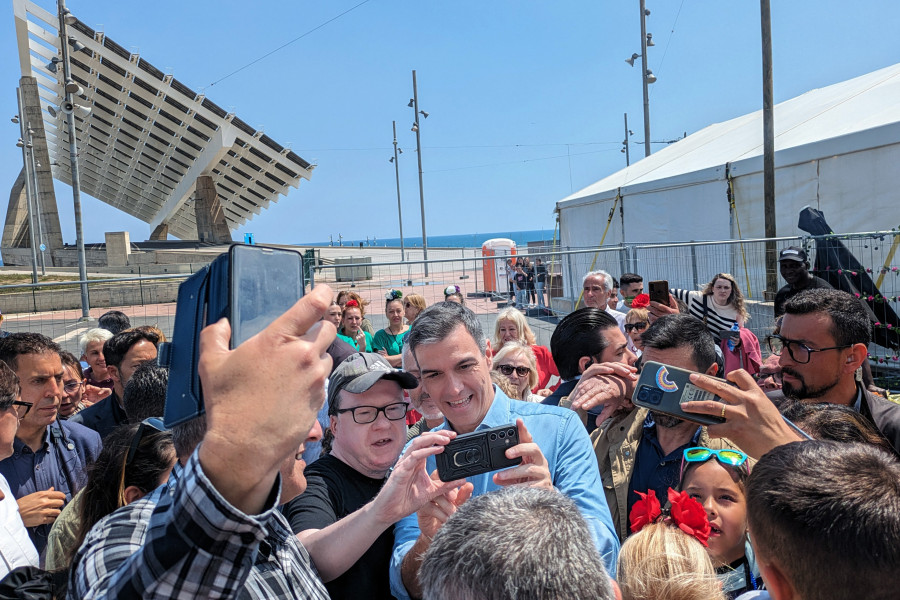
(351, 328)
(637, 320)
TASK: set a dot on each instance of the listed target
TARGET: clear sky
(526, 98)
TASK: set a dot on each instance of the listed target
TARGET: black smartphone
(478, 452)
(664, 388)
(659, 291)
(263, 284)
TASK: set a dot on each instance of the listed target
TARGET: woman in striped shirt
(720, 304)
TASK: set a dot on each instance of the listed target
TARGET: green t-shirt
(390, 343)
(368, 337)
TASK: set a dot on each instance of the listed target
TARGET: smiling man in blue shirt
(449, 347)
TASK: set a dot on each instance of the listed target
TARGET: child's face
(715, 487)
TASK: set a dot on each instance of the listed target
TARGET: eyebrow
(456, 366)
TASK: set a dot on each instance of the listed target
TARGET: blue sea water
(467, 240)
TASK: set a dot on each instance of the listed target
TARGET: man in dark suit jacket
(823, 342)
(582, 338)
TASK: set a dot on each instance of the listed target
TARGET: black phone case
(662, 388)
(659, 292)
(477, 452)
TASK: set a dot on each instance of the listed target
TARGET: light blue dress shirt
(562, 438)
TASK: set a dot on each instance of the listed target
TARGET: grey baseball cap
(793, 253)
(360, 371)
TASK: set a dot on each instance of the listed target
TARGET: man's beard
(802, 391)
(666, 421)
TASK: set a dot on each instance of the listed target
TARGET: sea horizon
(466, 240)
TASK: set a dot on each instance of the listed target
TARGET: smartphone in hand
(664, 388)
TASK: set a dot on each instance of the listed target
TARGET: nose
(709, 507)
(315, 434)
(629, 357)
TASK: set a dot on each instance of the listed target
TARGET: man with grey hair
(515, 544)
(420, 400)
(91, 344)
(598, 286)
(454, 360)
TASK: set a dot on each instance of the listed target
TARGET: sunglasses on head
(640, 326)
(699, 454)
(508, 370)
(149, 425)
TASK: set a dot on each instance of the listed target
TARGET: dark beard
(666, 421)
(803, 392)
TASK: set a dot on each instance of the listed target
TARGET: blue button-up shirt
(61, 463)
(559, 434)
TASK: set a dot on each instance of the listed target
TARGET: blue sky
(525, 98)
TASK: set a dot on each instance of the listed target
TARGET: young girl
(388, 342)
(351, 331)
(716, 478)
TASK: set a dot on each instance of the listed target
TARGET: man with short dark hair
(794, 266)
(114, 321)
(448, 344)
(513, 544)
(823, 341)
(630, 285)
(145, 393)
(582, 338)
(50, 456)
(638, 449)
(124, 353)
(345, 518)
(825, 521)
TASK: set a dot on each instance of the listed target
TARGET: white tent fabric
(836, 149)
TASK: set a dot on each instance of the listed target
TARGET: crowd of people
(314, 472)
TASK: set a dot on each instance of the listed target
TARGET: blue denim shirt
(559, 434)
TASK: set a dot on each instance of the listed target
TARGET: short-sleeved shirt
(355, 344)
(333, 491)
(787, 292)
(390, 343)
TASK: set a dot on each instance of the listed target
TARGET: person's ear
(332, 423)
(777, 583)
(616, 590)
(712, 370)
(113, 373)
(857, 355)
(584, 362)
(133, 493)
(488, 354)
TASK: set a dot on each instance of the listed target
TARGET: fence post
(694, 266)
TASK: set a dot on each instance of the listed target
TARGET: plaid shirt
(186, 541)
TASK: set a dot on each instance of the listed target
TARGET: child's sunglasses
(727, 456)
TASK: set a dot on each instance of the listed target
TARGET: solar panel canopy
(147, 136)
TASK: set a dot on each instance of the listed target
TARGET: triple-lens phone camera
(478, 452)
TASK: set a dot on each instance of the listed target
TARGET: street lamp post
(396, 161)
(23, 127)
(644, 73)
(414, 103)
(73, 158)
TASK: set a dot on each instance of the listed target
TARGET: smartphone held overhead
(664, 388)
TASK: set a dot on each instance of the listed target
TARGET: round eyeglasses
(364, 415)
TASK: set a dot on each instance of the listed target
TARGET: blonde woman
(515, 361)
(413, 305)
(720, 304)
(661, 562)
(511, 326)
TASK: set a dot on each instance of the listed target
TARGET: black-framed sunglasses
(640, 326)
(508, 370)
(364, 415)
(17, 403)
(799, 352)
(149, 425)
(72, 386)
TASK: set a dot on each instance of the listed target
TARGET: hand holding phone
(478, 452)
(664, 388)
(659, 291)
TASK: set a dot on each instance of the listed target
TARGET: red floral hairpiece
(641, 301)
(351, 304)
(685, 513)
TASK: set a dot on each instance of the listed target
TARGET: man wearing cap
(794, 266)
(355, 494)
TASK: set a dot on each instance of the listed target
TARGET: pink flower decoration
(870, 298)
(853, 273)
(877, 323)
(889, 326)
(840, 271)
(868, 269)
(857, 295)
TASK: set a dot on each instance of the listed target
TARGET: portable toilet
(495, 276)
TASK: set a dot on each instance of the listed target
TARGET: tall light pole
(396, 161)
(414, 103)
(73, 156)
(644, 73)
(23, 127)
(768, 147)
(627, 142)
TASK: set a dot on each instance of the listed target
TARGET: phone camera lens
(501, 435)
(511, 433)
(493, 436)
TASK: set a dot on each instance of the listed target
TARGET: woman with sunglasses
(388, 342)
(135, 460)
(413, 304)
(636, 322)
(511, 326)
(717, 480)
(515, 361)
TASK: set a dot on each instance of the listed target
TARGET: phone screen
(265, 282)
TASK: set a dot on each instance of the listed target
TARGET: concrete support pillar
(161, 232)
(208, 212)
(15, 230)
(118, 248)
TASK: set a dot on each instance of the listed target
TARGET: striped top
(717, 317)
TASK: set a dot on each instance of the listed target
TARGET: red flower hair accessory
(685, 513)
(351, 304)
(641, 301)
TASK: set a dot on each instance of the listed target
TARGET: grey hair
(93, 335)
(514, 544)
(607, 278)
(405, 357)
(437, 322)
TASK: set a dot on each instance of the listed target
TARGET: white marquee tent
(836, 148)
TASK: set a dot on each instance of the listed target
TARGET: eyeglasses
(508, 370)
(6, 405)
(363, 415)
(799, 352)
(640, 326)
(72, 386)
(726, 456)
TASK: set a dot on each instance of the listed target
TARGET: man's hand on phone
(533, 470)
(658, 310)
(604, 384)
(752, 421)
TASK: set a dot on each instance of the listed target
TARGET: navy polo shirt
(652, 469)
(60, 463)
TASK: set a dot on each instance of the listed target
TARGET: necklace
(390, 328)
